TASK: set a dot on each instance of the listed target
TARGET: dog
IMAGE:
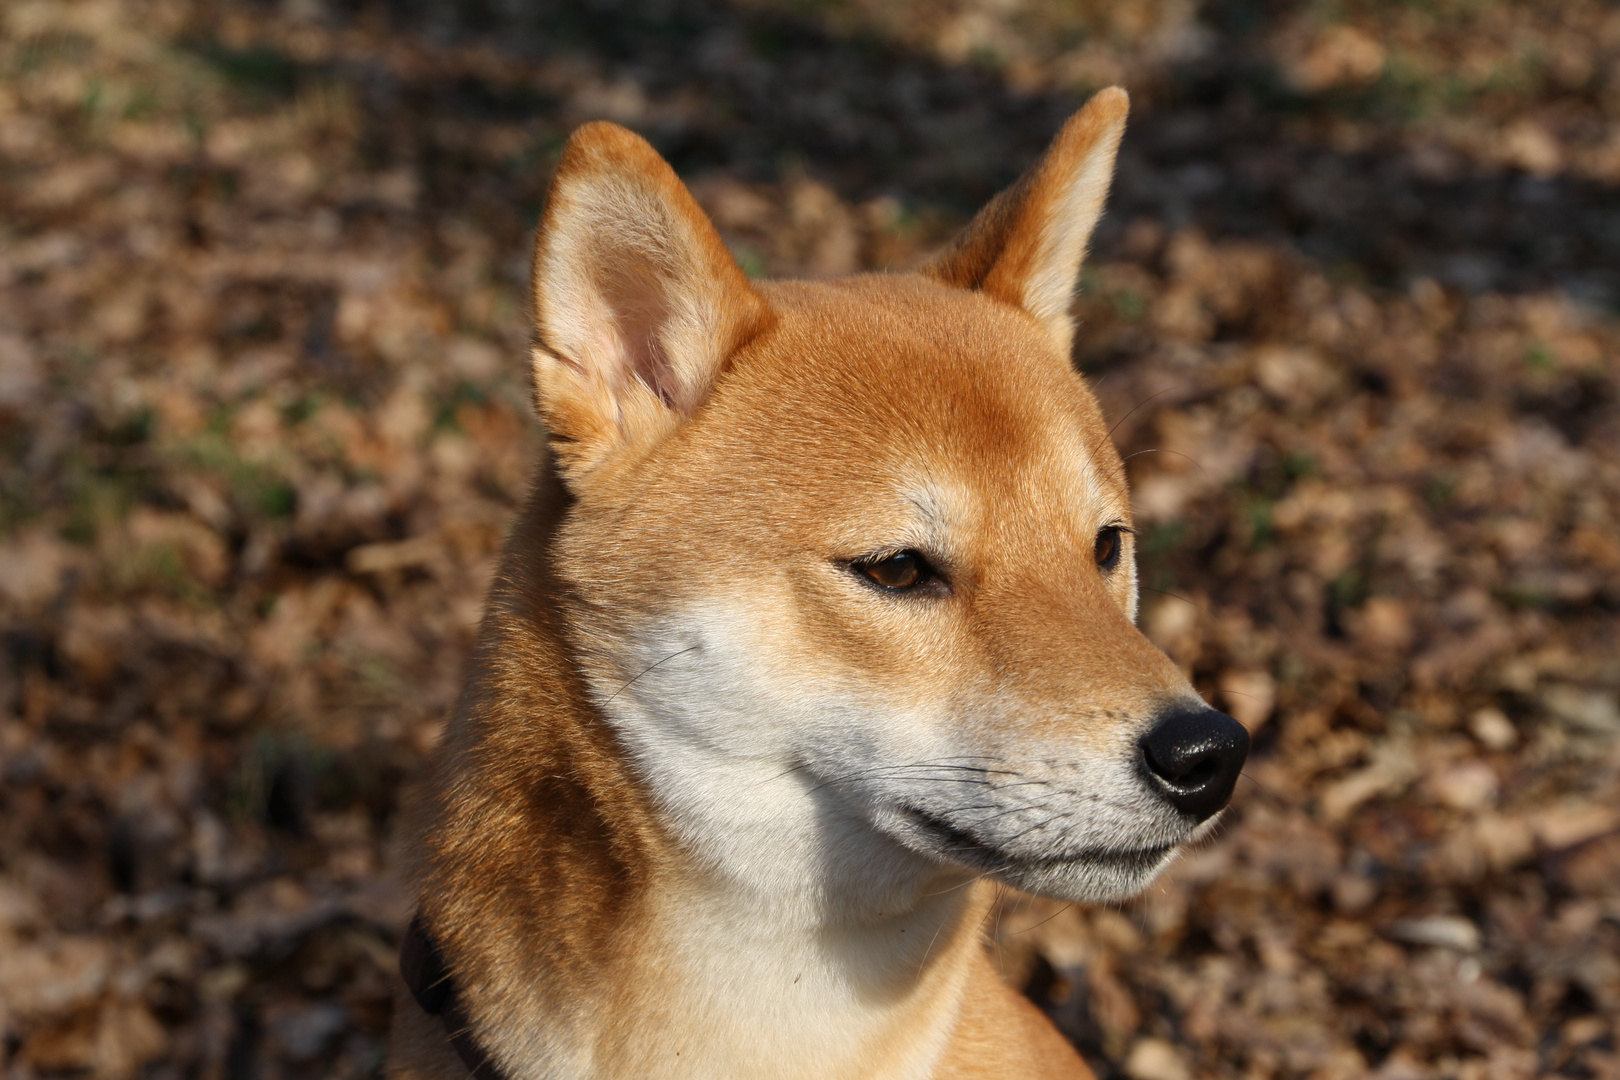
(820, 620)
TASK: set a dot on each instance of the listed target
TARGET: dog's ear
(637, 302)
(1026, 246)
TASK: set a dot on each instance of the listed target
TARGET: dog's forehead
(929, 386)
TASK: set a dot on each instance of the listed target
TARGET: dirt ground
(263, 420)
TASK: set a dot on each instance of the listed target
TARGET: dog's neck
(787, 936)
(787, 972)
(731, 916)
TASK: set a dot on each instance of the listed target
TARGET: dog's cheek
(735, 675)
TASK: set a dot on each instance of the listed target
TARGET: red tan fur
(713, 803)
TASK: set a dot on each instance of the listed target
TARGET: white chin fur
(1109, 875)
(1085, 881)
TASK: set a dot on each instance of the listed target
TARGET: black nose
(1193, 755)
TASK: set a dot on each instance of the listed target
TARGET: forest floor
(263, 420)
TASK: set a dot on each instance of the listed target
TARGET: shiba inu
(820, 617)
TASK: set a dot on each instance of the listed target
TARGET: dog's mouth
(940, 838)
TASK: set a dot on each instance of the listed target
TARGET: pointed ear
(637, 302)
(1026, 246)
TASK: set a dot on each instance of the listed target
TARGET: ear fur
(637, 302)
(1026, 246)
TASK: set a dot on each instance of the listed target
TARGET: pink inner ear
(639, 301)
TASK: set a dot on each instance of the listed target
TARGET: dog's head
(866, 538)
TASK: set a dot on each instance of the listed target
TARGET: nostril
(1194, 755)
(1202, 772)
(1179, 761)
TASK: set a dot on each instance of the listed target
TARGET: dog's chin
(1089, 876)
(1106, 877)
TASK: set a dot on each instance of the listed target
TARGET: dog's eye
(1109, 544)
(900, 571)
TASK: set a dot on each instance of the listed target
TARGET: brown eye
(1107, 549)
(902, 570)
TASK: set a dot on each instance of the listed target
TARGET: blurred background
(1355, 310)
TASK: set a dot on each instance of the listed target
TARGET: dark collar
(428, 978)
